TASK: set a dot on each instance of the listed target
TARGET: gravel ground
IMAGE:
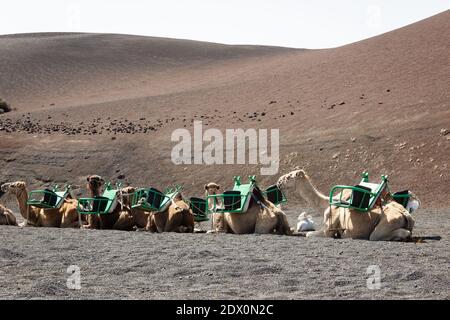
(141, 265)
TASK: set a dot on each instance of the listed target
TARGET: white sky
(291, 23)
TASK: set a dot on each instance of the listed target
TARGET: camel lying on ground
(66, 216)
(119, 219)
(177, 217)
(389, 222)
(261, 217)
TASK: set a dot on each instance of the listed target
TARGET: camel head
(13, 187)
(298, 185)
(127, 194)
(211, 188)
(95, 184)
(290, 179)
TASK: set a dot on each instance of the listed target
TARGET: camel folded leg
(220, 224)
(283, 227)
(400, 234)
(125, 222)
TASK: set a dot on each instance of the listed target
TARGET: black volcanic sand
(141, 265)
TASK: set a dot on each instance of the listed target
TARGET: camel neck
(312, 195)
(22, 199)
(95, 192)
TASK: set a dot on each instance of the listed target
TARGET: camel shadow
(423, 239)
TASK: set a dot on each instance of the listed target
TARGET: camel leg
(70, 220)
(391, 230)
(283, 227)
(220, 225)
(173, 222)
(125, 222)
(92, 222)
(394, 235)
(316, 234)
(152, 225)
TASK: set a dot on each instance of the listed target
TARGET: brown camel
(178, 217)
(261, 217)
(66, 216)
(7, 217)
(121, 217)
(390, 221)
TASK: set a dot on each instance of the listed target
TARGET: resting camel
(7, 217)
(261, 217)
(178, 217)
(389, 222)
(140, 216)
(121, 217)
(65, 216)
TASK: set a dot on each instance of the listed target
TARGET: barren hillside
(107, 104)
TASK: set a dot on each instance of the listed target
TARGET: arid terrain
(141, 265)
(107, 104)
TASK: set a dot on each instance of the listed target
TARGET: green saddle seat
(199, 209)
(48, 198)
(104, 204)
(363, 195)
(402, 197)
(236, 200)
(275, 195)
(151, 199)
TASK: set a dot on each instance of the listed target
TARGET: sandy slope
(140, 265)
(73, 92)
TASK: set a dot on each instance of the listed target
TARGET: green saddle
(104, 204)
(363, 196)
(199, 209)
(275, 195)
(48, 198)
(151, 199)
(236, 200)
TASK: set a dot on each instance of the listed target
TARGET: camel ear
(218, 186)
(89, 177)
(206, 187)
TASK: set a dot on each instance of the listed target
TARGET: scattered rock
(121, 176)
(4, 107)
(444, 132)
(336, 155)
(341, 103)
(272, 102)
